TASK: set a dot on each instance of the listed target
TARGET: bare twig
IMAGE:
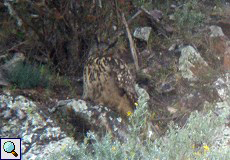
(132, 46)
(13, 47)
(134, 16)
(145, 11)
(117, 13)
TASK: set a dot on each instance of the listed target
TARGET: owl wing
(124, 79)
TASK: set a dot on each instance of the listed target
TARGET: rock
(191, 63)
(220, 44)
(172, 47)
(216, 31)
(57, 147)
(222, 85)
(172, 110)
(218, 41)
(173, 6)
(20, 118)
(98, 119)
(157, 15)
(172, 17)
(142, 33)
(223, 137)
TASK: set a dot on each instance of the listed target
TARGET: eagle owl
(108, 81)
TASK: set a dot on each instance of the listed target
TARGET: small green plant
(25, 75)
(189, 17)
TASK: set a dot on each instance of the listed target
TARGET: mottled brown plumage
(108, 81)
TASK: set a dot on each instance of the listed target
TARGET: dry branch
(132, 46)
(14, 47)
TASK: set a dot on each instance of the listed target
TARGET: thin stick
(116, 8)
(134, 16)
(131, 43)
(13, 47)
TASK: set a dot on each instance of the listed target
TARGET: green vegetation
(29, 76)
(189, 16)
(193, 141)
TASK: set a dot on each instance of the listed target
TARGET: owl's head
(98, 49)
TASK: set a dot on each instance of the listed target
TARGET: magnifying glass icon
(9, 147)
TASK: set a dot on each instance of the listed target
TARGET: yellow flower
(206, 148)
(193, 146)
(136, 104)
(113, 148)
(129, 113)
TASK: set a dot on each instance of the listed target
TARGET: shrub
(25, 75)
(189, 17)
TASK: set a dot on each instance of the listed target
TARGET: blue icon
(9, 147)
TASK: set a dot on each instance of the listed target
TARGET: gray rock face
(222, 85)
(216, 31)
(142, 33)
(98, 119)
(189, 59)
(21, 119)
